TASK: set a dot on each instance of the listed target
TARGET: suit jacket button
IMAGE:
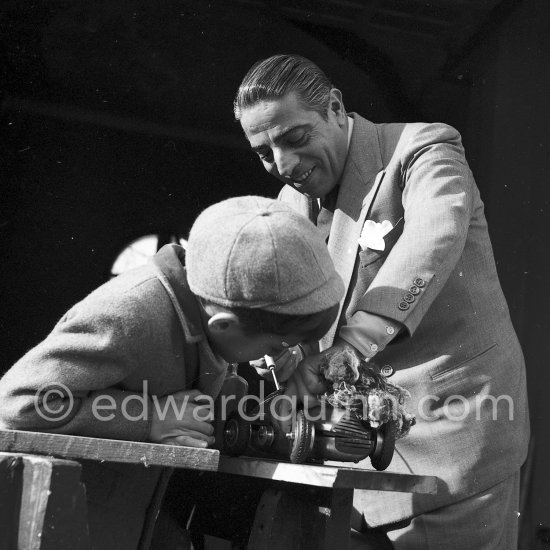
(386, 370)
(414, 290)
(419, 282)
(403, 306)
(408, 297)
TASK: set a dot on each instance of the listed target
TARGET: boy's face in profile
(234, 345)
(228, 337)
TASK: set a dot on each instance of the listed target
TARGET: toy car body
(339, 435)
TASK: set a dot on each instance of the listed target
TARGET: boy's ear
(220, 322)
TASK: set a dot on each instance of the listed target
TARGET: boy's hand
(302, 387)
(180, 419)
(285, 364)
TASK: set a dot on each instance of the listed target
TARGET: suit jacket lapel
(358, 186)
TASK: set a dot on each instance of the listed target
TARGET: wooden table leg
(287, 520)
(11, 480)
(52, 511)
(337, 532)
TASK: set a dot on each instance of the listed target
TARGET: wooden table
(283, 516)
(43, 502)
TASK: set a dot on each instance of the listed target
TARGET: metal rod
(270, 362)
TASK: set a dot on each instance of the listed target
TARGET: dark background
(116, 122)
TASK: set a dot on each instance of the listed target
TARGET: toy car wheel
(236, 435)
(303, 435)
(385, 445)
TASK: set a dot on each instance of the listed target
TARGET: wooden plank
(53, 513)
(337, 531)
(319, 476)
(110, 450)
(385, 481)
(11, 484)
(328, 476)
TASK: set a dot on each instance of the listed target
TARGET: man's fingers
(304, 393)
(311, 376)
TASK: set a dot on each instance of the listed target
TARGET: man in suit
(405, 226)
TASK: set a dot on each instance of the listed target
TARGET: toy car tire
(385, 445)
(236, 435)
(303, 431)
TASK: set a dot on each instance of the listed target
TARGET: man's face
(297, 145)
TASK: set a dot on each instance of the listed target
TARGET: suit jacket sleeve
(438, 193)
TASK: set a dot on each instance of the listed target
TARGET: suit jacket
(458, 354)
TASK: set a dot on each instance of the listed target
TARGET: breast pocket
(368, 256)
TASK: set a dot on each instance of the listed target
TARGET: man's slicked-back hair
(276, 76)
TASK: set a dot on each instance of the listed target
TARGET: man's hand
(307, 381)
(341, 363)
(180, 419)
(308, 378)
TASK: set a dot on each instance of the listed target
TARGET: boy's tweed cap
(255, 252)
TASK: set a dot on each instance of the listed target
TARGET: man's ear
(336, 104)
(220, 322)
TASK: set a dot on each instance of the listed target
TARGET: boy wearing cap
(247, 289)
(126, 361)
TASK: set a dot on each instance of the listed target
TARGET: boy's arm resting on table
(68, 382)
(73, 381)
(181, 419)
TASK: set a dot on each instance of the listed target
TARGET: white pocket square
(373, 235)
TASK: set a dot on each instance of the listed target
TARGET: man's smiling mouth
(300, 179)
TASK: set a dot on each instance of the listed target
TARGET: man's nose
(286, 162)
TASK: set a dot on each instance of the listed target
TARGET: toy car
(340, 435)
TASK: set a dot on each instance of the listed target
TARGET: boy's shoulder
(135, 293)
(124, 287)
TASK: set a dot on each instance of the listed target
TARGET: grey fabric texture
(121, 345)
(458, 354)
(267, 257)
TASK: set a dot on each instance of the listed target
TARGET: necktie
(314, 210)
(324, 219)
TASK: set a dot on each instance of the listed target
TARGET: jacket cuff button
(386, 370)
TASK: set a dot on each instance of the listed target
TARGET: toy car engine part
(340, 437)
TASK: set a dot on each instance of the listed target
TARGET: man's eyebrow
(280, 137)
